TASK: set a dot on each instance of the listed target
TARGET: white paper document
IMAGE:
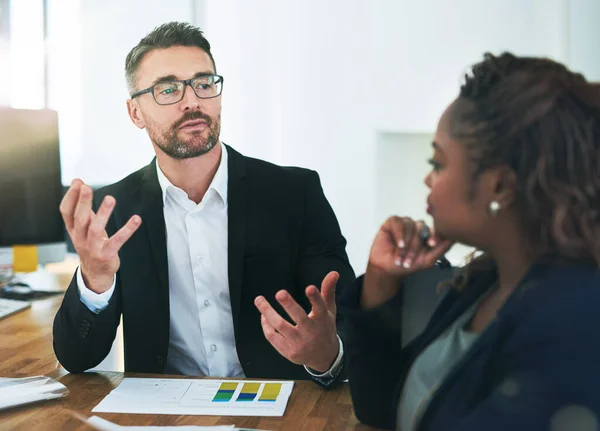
(198, 397)
(103, 425)
(26, 390)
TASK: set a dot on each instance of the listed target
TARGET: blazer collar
(237, 224)
(153, 222)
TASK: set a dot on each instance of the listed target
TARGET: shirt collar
(218, 183)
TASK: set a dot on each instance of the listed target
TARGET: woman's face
(458, 203)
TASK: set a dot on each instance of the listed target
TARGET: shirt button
(213, 347)
(199, 259)
(206, 303)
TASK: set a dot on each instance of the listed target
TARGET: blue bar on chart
(248, 392)
(225, 392)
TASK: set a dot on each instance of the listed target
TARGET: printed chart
(198, 397)
(248, 392)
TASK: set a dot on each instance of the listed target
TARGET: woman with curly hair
(515, 341)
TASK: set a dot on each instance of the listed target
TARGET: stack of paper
(16, 392)
(198, 397)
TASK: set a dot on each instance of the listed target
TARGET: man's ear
(133, 108)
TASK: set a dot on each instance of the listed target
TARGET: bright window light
(27, 74)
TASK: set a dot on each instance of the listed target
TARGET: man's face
(188, 128)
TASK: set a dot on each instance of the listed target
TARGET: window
(22, 41)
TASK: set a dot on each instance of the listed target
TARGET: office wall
(584, 37)
(4, 48)
(317, 84)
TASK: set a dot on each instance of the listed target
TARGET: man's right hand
(397, 251)
(99, 254)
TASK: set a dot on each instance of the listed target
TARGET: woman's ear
(135, 114)
(504, 186)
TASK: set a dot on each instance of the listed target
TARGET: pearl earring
(494, 208)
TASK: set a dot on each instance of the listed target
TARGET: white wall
(4, 49)
(314, 83)
(423, 48)
(22, 53)
(584, 37)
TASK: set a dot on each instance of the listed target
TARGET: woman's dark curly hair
(543, 121)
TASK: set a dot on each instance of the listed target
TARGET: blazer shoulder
(126, 187)
(566, 301)
(271, 170)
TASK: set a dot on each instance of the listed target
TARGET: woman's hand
(397, 251)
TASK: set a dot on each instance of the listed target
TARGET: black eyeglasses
(170, 92)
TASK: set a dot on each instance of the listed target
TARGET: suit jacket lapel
(237, 218)
(153, 221)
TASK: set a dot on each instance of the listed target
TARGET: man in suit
(192, 249)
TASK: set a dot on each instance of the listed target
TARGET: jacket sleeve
(82, 338)
(376, 361)
(322, 250)
(373, 356)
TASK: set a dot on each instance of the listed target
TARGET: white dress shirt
(201, 336)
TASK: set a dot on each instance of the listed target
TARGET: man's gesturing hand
(312, 341)
(98, 253)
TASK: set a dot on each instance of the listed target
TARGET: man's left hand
(312, 341)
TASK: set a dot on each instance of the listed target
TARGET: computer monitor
(30, 183)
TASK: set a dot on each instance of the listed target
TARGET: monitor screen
(30, 179)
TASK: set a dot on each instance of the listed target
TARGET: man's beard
(196, 145)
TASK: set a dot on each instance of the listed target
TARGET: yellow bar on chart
(228, 386)
(270, 392)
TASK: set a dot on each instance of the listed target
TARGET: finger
(97, 228)
(440, 248)
(319, 307)
(413, 241)
(397, 231)
(114, 244)
(328, 290)
(83, 213)
(274, 319)
(291, 307)
(276, 339)
(68, 203)
(421, 259)
(434, 239)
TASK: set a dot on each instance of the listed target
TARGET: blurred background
(350, 88)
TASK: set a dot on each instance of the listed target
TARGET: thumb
(328, 290)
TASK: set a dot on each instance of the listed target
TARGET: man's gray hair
(164, 36)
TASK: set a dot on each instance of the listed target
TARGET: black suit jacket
(282, 234)
(535, 365)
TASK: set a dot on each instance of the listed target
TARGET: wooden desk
(26, 350)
